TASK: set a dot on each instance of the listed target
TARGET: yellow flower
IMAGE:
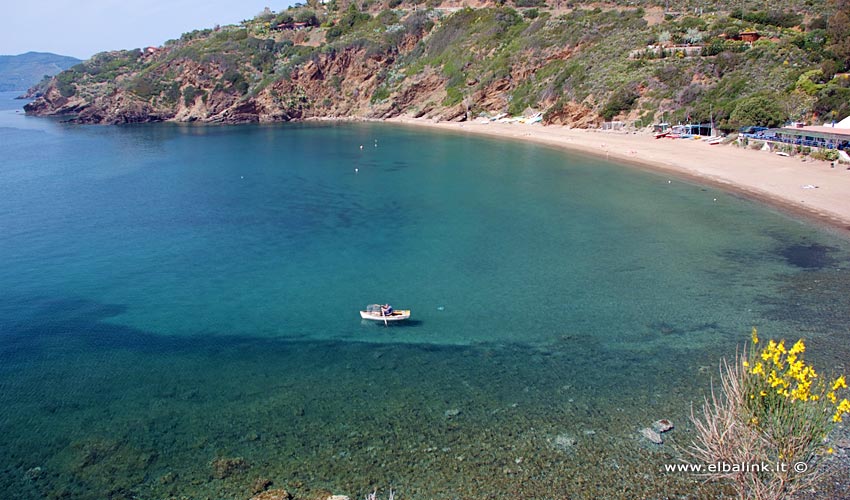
(754, 420)
(746, 365)
(758, 369)
(768, 351)
(755, 336)
(763, 393)
(830, 450)
(839, 383)
(799, 347)
(843, 407)
(831, 396)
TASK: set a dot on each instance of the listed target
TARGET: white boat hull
(395, 316)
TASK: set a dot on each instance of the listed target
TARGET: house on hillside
(749, 36)
(290, 26)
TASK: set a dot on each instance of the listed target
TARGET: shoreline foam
(765, 177)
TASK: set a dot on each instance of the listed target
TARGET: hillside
(25, 70)
(580, 64)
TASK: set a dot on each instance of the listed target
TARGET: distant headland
(21, 72)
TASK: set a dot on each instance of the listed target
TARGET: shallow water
(177, 295)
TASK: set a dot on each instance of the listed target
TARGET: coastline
(765, 177)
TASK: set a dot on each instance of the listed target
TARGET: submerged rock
(226, 467)
(662, 425)
(651, 435)
(261, 484)
(452, 413)
(564, 442)
(273, 495)
(35, 473)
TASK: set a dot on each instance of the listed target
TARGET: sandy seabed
(799, 184)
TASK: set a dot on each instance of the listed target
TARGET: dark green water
(173, 296)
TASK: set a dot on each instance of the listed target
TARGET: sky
(82, 28)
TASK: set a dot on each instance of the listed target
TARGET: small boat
(373, 313)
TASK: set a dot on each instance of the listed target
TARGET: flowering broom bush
(768, 425)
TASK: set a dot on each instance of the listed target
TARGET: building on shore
(834, 136)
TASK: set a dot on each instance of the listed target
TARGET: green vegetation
(773, 407)
(533, 58)
(763, 110)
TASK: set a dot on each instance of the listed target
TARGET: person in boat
(386, 310)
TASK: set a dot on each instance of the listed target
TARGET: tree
(838, 31)
(761, 110)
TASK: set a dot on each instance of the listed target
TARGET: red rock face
(349, 83)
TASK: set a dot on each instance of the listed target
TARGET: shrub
(619, 101)
(189, 94)
(772, 409)
(759, 110)
(781, 18)
(348, 22)
(825, 154)
(418, 23)
(64, 83)
(531, 14)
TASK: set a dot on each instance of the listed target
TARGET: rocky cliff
(579, 66)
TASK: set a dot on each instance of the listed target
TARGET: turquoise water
(175, 296)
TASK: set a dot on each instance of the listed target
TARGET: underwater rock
(35, 473)
(651, 435)
(225, 467)
(662, 425)
(168, 478)
(260, 484)
(273, 495)
(564, 442)
(452, 413)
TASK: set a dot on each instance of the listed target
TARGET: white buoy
(715, 199)
(361, 146)
(669, 182)
(356, 170)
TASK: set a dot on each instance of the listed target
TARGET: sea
(179, 312)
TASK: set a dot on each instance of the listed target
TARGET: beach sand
(811, 188)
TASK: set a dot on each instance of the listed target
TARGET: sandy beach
(800, 185)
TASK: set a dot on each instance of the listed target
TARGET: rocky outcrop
(573, 114)
(360, 80)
